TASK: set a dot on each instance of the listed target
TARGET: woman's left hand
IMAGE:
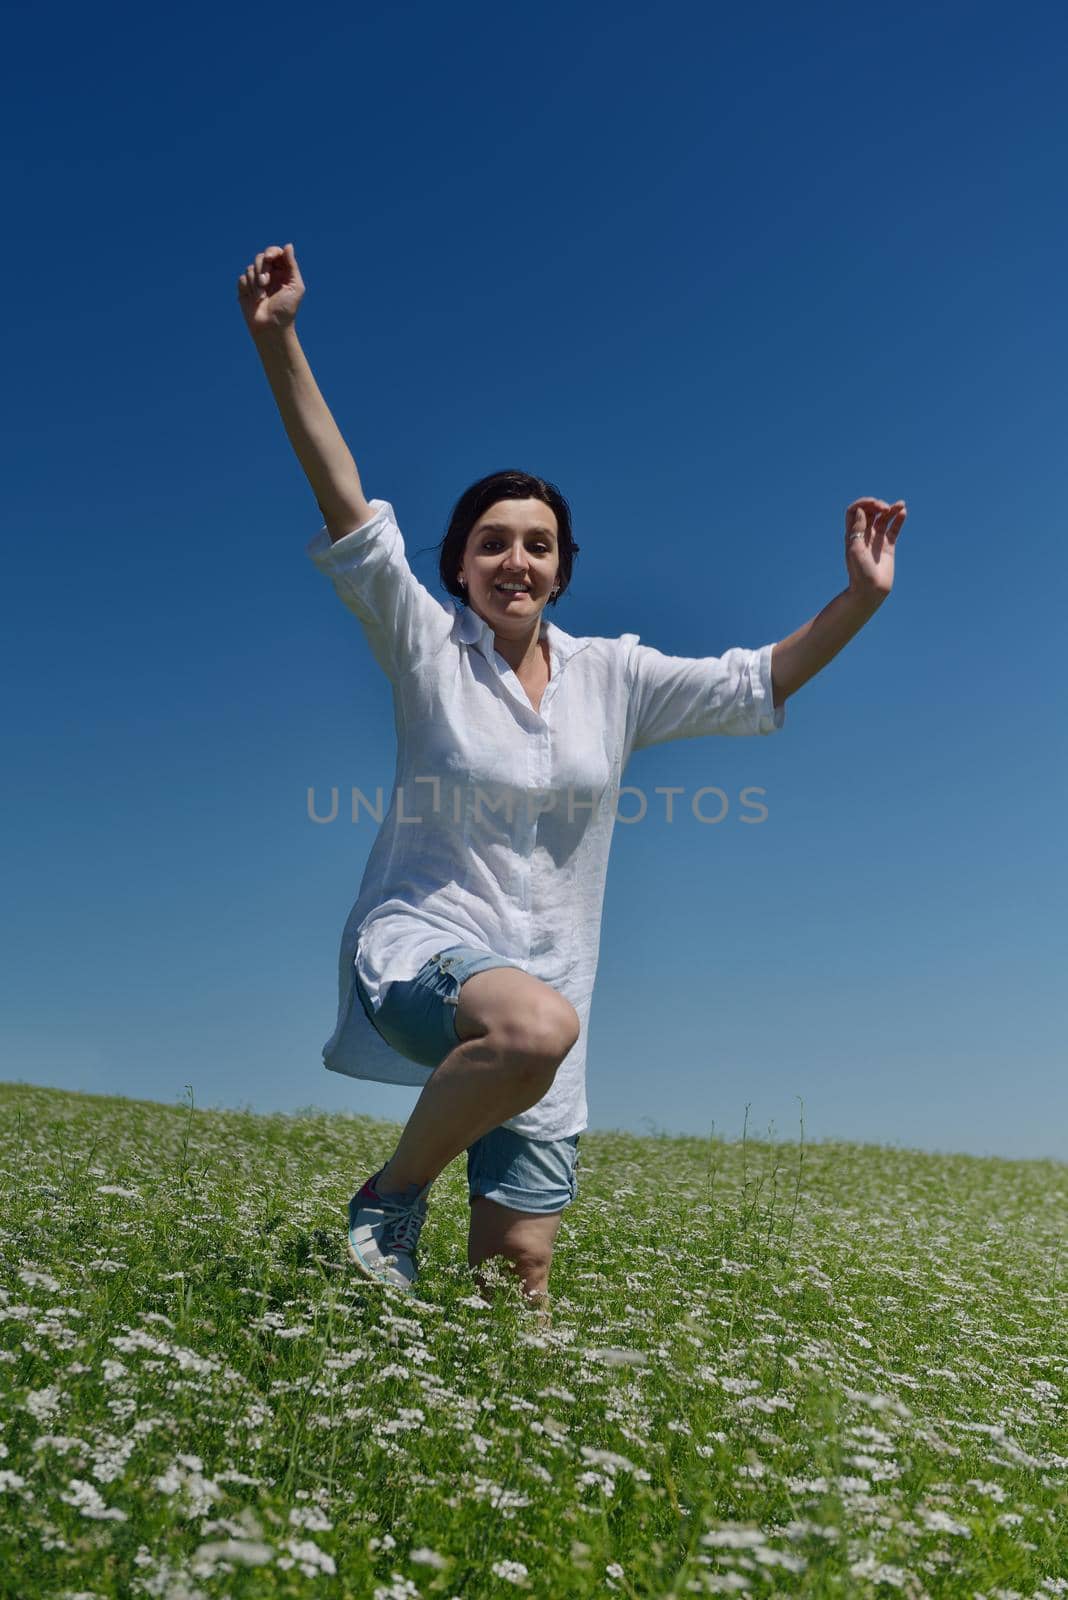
(870, 559)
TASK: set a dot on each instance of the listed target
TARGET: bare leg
(515, 1031)
(524, 1240)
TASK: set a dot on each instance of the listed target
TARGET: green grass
(772, 1369)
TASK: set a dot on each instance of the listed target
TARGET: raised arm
(872, 527)
(270, 291)
(360, 547)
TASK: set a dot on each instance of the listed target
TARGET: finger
(898, 523)
(259, 270)
(878, 538)
(885, 514)
(875, 511)
(856, 518)
(869, 505)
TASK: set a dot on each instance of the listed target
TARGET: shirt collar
(473, 629)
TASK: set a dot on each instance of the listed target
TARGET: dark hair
(476, 501)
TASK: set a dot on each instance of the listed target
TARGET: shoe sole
(376, 1277)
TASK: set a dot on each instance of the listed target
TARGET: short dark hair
(476, 501)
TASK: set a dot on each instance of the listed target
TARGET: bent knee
(541, 1037)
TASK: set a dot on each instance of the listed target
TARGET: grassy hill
(772, 1369)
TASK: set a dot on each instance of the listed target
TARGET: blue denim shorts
(418, 1018)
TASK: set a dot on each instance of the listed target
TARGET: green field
(772, 1369)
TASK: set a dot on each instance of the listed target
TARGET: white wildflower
(510, 1571)
(780, 1558)
(607, 1458)
(879, 1402)
(400, 1588)
(734, 1538)
(241, 1552)
(309, 1558)
(310, 1517)
(110, 1457)
(428, 1558)
(597, 1480)
(189, 1361)
(613, 1357)
(59, 1441)
(39, 1280)
(992, 1490)
(86, 1499)
(879, 1572)
(42, 1404)
(940, 1522)
(117, 1188)
(198, 1492)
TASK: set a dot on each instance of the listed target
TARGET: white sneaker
(384, 1231)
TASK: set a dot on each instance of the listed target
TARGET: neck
(522, 653)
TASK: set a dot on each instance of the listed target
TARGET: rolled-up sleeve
(402, 620)
(682, 697)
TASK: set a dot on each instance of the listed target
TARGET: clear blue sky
(716, 274)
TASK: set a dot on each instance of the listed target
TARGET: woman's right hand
(270, 289)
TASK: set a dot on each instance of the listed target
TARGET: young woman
(468, 961)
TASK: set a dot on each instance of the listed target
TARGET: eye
(542, 546)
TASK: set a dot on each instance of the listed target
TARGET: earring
(462, 582)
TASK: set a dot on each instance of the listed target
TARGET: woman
(467, 963)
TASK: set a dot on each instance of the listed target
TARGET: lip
(509, 594)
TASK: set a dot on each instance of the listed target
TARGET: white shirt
(501, 818)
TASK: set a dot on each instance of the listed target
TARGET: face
(514, 542)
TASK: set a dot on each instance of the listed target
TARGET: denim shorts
(418, 1019)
